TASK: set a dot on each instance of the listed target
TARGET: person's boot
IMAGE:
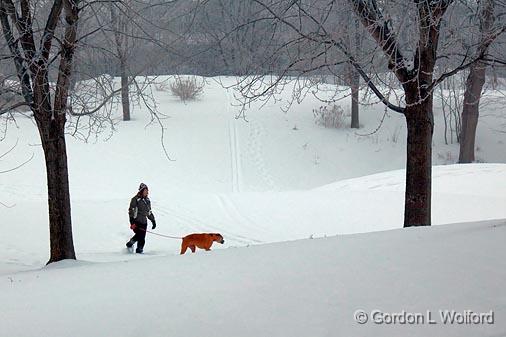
(130, 243)
(139, 250)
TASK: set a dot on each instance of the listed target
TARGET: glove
(133, 226)
(154, 224)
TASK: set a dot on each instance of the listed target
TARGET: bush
(186, 88)
(331, 116)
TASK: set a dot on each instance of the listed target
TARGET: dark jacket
(140, 210)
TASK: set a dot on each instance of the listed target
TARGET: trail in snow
(239, 219)
(235, 154)
(256, 156)
(235, 157)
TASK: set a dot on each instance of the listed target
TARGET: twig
(23, 164)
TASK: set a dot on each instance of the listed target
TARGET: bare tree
(476, 80)
(450, 95)
(417, 82)
(120, 26)
(354, 38)
(32, 62)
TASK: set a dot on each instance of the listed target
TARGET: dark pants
(140, 235)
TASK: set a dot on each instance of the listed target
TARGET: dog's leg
(184, 247)
(192, 247)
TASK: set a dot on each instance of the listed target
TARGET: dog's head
(218, 238)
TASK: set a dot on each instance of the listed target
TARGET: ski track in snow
(240, 239)
(236, 217)
(235, 159)
(189, 219)
(181, 218)
(235, 154)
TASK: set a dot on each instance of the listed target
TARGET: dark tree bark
(52, 134)
(55, 150)
(355, 85)
(417, 202)
(15, 52)
(355, 81)
(60, 224)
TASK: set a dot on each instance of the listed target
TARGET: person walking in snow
(138, 212)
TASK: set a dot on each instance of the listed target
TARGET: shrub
(331, 116)
(186, 88)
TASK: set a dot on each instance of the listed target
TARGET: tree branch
(379, 28)
(327, 39)
(12, 107)
(12, 43)
(66, 58)
(47, 37)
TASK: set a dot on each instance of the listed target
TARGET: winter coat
(140, 210)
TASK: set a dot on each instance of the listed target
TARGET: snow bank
(300, 288)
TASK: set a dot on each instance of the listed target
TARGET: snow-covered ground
(300, 288)
(277, 177)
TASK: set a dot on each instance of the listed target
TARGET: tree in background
(354, 41)
(488, 32)
(121, 27)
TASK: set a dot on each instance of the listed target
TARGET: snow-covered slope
(300, 288)
(276, 177)
(255, 181)
(461, 193)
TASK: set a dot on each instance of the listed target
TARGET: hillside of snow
(300, 288)
(260, 182)
(255, 181)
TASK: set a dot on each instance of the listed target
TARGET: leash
(165, 236)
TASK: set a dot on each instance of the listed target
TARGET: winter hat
(142, 186)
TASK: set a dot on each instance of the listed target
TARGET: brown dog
(203, 241)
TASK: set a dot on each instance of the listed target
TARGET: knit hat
(142, 186)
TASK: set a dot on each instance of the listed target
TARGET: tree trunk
(125, 99)
(355, 79)
(355, 84)
(474, 85)
(60, 224)
(417, 204)
(120, 26)
(52, 135)
(471, 112)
